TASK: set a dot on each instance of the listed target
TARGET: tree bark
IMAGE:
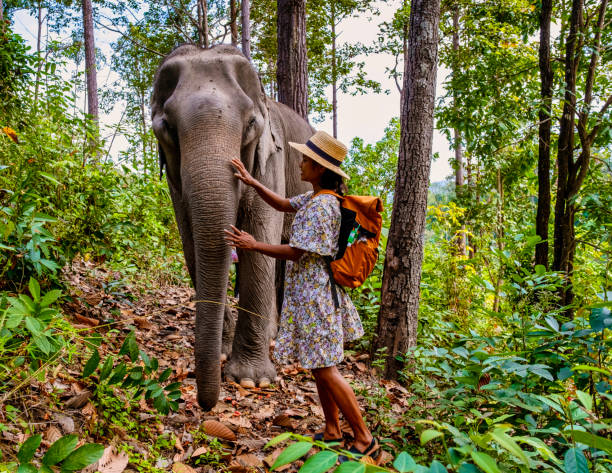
(246, 28)
(544, 117)
(38, 49)
(2, 16)
(233, 24)
(203, 18)
(334, 72)
(291, 69)
(90, 60)
(397, 321)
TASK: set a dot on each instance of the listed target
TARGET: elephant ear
(270, 141)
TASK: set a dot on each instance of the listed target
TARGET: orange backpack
(360, 227)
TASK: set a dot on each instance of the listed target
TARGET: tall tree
(233, 24)
(246, 28)
(203, 23)
(572, 172)
(397, 321)
(90, 60)
(291, 68)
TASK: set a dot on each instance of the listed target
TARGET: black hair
(333, 182)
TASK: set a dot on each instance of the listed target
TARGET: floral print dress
(312, 331)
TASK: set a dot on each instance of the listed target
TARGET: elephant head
(208, 106)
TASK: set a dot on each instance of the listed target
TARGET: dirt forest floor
(229, 438)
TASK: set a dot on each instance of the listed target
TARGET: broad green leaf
(278, 439)
(27, 450)
(429, 434)
(595, 441)
(27, 468)
(592, 368)
(585, 399)
(404, 463)
(34, 289)
(543, 449)
(33, 325)
(485, 462)
(50, 178)
(50, 297)
(43, 343)
(165, 375)
(91, 364)
(60, 449)
(106, 368)
(83, 456)
(575, 461)
(600, 319)
(319, 462)
(437, 467)
(468, 468)
(292, 453)
(507, 442)
(45, 469)
(351, 467)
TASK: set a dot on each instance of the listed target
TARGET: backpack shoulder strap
(330, 192)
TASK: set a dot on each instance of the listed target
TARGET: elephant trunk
(211, 193)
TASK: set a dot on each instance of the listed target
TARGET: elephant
(209, 106)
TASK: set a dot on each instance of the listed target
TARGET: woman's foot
(372, 450)
(322, 437)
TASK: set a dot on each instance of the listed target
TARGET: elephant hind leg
(229, 327)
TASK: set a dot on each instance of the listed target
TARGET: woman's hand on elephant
(242, 173)
(239, 239)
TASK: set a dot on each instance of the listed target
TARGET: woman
(312, 331)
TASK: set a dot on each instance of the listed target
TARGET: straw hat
(325, 150)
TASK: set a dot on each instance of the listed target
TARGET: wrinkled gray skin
(208, 106)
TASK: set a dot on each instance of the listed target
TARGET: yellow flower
(10, 133)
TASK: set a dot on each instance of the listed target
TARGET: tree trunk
(39, 65)
(2, 16)
(397, 321)
(461, 238)
(564, 208)
(291, 69)
(90, 60)
(233, 25)
(334, 72)
(544, 117)
(246, 28)
(203, 20)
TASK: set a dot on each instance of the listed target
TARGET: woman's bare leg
(330, 410)
(331, 381)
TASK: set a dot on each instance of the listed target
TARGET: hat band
(323, 154)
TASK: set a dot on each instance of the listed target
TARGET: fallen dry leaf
(283, 420)
(52, 434)
(112, 462)
(78, 401)
(182, 468)
(217, 429)
(264, 413)
(199, 451)
(86, 320)
(246, 460)
(296, 412)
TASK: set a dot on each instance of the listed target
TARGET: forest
(487, 318)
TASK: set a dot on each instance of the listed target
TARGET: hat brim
(302, 148)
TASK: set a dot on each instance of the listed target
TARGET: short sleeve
(315, 229)
(298, 201)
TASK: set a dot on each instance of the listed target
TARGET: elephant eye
(251, 122)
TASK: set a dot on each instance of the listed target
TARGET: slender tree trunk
(2, 28)
(246, 28)
(90, 61)
(233, 24)
(500, 239)
(544, 117)
(334, 71)
(461, 239)
(564, 207)
(397, 321)
(203, 19)
(38, 51)
(291, 68)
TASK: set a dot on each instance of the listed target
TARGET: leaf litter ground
(231, 437)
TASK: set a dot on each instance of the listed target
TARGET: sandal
(320, 437)
(373, 451)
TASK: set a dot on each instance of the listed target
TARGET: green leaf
(320, 462)
(507, 442)
(165, 375)
(575, 461)
(404, 463)
(50, 178)
(27, 468)
(91, 364)
(27, 450)
(351, 467)
(278, 439)
(60, 449)
(592, 368)
(468, 468)
(34, 288)
(485, 462)
(106, 368)
(585, 399)
(595, 441)
(437, 467)
(45, 469)
(430, 434)
(50, 297)
(292, 453)
(83, 456)
(43, 343)
(600, 318)
(33, 325)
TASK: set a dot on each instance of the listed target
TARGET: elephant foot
(250, 375)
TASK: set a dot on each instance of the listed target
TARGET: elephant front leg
(249, 363)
